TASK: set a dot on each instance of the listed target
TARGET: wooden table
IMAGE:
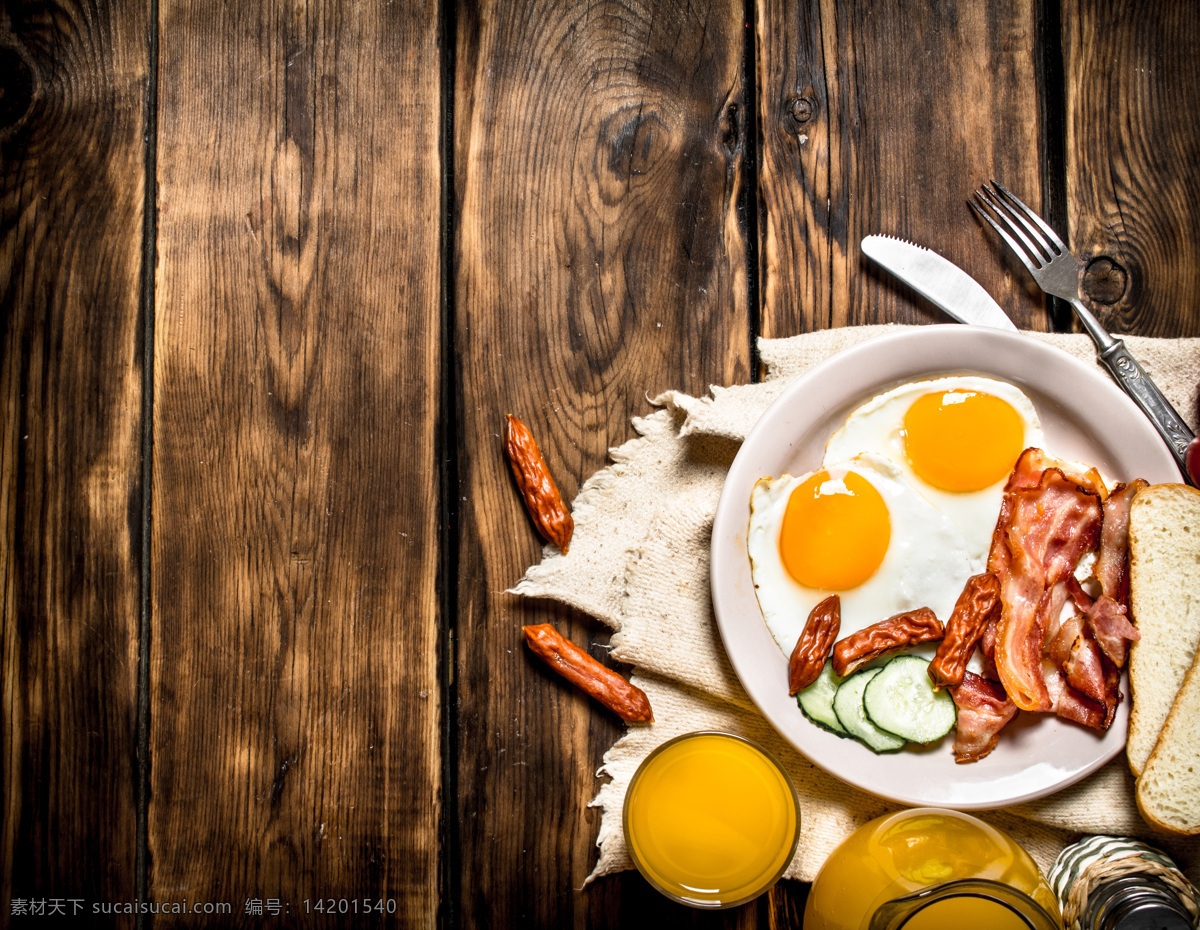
(273, 274)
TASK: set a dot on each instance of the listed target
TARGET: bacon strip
(1084, 667)
(1109, 623)
(1060, 643)
(983, 711)
(1049, 525)
(1112, 692)
(1031, 465)
(1052, 608)
(987, 642)
(1071, 705)
(1025, 474)
(1112, 562)
(1086, 686)
(1082, 599)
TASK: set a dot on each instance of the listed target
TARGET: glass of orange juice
(711, 819)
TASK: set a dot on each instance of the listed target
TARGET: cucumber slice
(817, 700)
(901, 700)
(848, 705)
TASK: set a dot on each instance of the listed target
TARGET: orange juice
(912, 850)
(711, 819)
(975, 913)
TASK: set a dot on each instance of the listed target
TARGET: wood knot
(16, 87)
(1104, 281)
(731, 129)
(799, 109)
(635, 140)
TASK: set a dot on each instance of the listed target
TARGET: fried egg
(859, 530)
(954, 439)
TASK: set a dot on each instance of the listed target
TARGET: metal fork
(1056, 271)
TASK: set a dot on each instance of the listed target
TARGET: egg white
(926, 565)
(878, 426)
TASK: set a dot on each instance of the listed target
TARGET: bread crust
(1164, 532)
(1172, 773)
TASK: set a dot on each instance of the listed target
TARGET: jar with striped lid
(1119, 883)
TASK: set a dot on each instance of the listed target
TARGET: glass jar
(1119, 883)
(928, 869)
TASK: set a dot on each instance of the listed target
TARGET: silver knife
(939, 280)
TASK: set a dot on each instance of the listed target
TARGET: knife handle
(1145, 393)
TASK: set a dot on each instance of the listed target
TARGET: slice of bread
(1164, 565)
(1168, 790)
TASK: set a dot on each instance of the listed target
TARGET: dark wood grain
(599, 258)
(883, 119)
(1133, 141)
(72, 186)
(295, 744)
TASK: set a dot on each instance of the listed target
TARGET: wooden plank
(72, 187)
(599, 258)
(1133, 139)
(884, 119)
(296, 751)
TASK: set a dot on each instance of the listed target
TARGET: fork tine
(1031, 216)
(1029, 257)
(1018, 226)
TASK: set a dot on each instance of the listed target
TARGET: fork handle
(1145, 393)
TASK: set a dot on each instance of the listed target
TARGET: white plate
(1085, 417)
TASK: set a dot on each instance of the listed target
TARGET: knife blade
(940, 281)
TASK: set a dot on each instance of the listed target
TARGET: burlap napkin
(639, 562)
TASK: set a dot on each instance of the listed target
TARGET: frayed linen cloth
(639, 562)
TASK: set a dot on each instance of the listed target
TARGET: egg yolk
(962, 440)
(835, 532)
